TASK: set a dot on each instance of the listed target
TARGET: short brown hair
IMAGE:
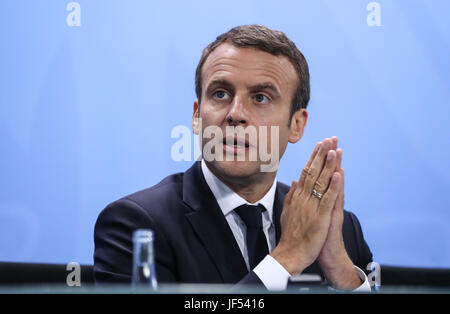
(262, 38)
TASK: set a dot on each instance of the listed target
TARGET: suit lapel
(211, 227)
(277, 209)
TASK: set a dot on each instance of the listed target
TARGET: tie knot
(251, 215)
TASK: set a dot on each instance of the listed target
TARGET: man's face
(247, 87)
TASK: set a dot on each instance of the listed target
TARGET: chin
(237, 169)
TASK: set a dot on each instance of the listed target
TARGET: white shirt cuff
(272, 274)
(275, 277)
(365, 287)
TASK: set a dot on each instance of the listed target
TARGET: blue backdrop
(86, 112)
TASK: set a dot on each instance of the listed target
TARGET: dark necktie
(256, 240)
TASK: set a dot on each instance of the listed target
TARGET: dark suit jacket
(192, 239)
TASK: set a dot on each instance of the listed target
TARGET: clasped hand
(311, 224)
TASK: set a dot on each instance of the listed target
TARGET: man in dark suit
(228, 220)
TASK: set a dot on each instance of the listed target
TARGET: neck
(252, 188)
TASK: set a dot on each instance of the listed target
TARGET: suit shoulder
(168, 190)
(168, 187)
(161, 195)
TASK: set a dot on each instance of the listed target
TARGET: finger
(339, 159)
(323, 181)
(334, 140)
(288, 196)
(339, 205)
(316, 167)
(337, 214)
(329, 198)
(334, 145)
(305, 170)
(340, 199)
(313, 155)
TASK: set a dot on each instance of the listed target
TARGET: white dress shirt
(269, 271)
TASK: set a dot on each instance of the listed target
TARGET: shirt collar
(228, 200)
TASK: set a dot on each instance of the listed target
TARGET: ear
(195, 117)
(297, 126)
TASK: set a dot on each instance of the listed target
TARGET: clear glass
(143, 274)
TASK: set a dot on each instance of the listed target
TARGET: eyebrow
(219, 83)
(230, 87)
(265, 86)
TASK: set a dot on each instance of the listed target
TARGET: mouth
(235, 145)
(236, 142)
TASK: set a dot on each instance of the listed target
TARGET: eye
(262, 99)
(221, 94)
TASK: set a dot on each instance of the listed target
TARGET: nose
(237, 114)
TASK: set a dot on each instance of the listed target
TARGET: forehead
(248, 65)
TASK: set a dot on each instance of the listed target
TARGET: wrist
(293, 264)
(342, 274)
